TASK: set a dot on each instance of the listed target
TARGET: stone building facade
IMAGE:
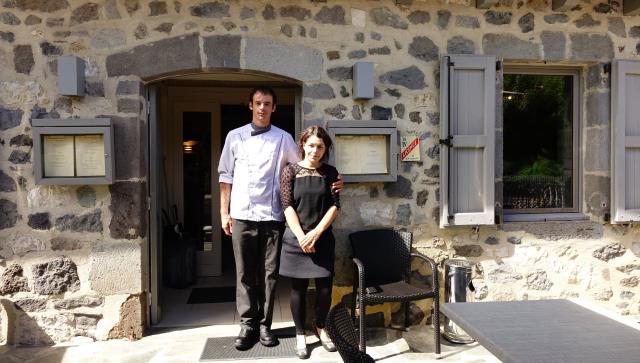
(73, 259)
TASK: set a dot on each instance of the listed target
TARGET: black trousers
(256, 247)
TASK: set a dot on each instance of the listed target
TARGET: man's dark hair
(267, 91)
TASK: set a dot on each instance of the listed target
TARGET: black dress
(308, 191)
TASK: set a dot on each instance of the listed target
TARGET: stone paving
(185, 345)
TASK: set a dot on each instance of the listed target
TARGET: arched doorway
(189, 118)
(223, 61)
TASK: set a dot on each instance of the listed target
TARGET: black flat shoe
(267, 338)
(245, 340)
(302, 353)
(328, 346)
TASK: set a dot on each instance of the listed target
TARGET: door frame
(154, 199)
(158, 108)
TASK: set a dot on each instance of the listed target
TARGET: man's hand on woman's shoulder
(336, 186)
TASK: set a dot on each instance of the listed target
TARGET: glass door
(197, 183)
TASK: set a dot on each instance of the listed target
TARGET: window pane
(538, 142)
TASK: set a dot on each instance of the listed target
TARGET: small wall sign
(409, 147)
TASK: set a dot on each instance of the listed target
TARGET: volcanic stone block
(591, 47)
(12, 281)
(508, 46)
(115, 268)
(553, 45)
(55, 276)
(128, 210)
(222, 51)
(333, 15)
(8, 214)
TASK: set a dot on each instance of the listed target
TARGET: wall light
(70, 76)
(187, 146)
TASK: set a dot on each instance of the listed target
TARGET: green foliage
(537, 112)
(542, 166)
(537, 99)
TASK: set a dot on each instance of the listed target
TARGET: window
(539, 166)
(541, 139)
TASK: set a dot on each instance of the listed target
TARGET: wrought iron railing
(535, 191)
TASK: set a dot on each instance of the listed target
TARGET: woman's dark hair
(318, 132)
(267, 91)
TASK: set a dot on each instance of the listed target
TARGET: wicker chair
(342, 332)
(383, 260)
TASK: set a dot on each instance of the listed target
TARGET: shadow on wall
(19, 328)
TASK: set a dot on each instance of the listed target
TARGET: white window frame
(547, 214)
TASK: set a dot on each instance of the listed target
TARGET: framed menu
(58, 155)
(361, 154)
(89, 155)
(365, 151)
(73, 151)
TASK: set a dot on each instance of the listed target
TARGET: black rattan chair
(342, 332)
(383, 260)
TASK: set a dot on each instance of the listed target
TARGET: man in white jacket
(250, 164)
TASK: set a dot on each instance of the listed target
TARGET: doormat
(223, 349)
(209, 295)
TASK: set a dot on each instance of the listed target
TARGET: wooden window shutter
(625, 141)
(467, 140)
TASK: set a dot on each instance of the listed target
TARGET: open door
(154, 173)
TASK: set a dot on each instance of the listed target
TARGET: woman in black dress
(308, 247)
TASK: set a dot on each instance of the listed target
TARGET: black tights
(299, 298)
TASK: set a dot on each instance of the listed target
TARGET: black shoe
(267, 338)
(246, 338)
(302, 353)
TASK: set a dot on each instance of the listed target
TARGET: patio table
(546, 331)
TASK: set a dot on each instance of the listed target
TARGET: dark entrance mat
(222, 348)
(208, 295)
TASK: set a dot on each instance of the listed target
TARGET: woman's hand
(309, 241)
(303, 245)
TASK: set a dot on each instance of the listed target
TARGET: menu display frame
(365, 137)
(73, 151)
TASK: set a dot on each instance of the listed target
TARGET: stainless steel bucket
(458, 287)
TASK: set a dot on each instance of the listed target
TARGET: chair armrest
(360, 266)
(434, 268)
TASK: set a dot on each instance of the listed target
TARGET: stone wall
(71, 257)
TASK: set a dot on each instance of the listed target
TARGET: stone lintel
(486, 4)
(294, 61)
(631, 7)
(564, 5)
(157, 58)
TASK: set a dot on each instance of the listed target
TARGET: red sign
(409, 148)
